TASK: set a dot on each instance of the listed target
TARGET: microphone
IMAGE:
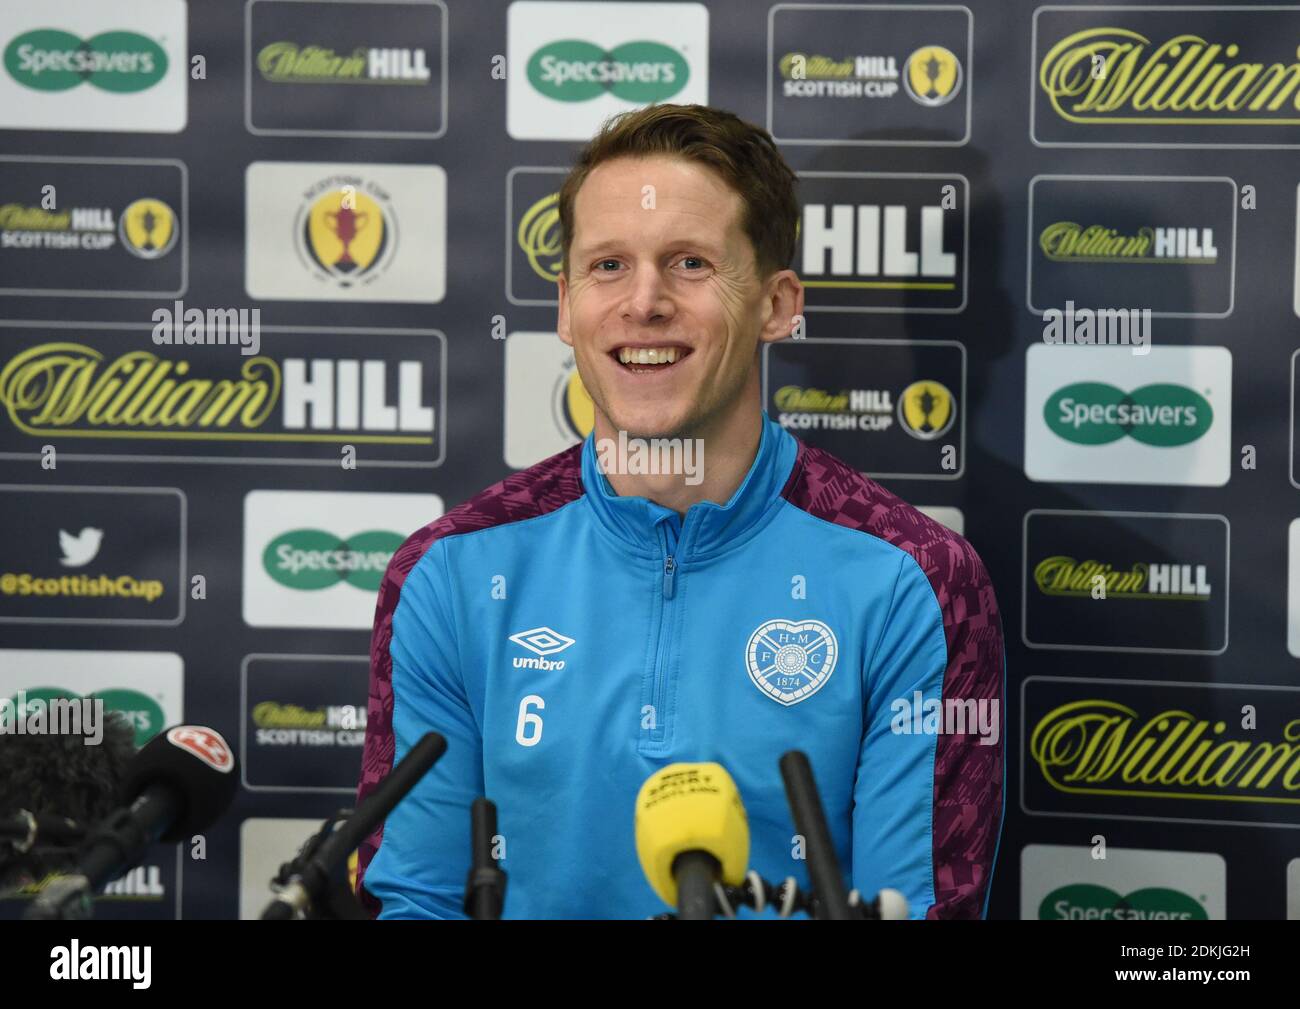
(179, 783)
(691, 833)
(62, 785)
(307, 887)
(832, 899)
(23, 830)
(485, 890)
(340, 903)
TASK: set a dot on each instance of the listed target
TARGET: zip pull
(670, 569)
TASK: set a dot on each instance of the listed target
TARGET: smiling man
(587, 621)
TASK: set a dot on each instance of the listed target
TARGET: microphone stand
(485, 889)
(308, 887)
(338, 903)
(832, 900)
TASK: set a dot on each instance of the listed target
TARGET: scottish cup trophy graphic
(346, 224)
(148, 222)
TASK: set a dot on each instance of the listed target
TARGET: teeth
(648, 355)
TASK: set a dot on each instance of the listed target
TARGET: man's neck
(721, 461)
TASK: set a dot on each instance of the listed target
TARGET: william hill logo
(538, 236)
(1099, 747)
(311, 559)
(1096, 413)
(71, 390)
(1114, 75)
(572, 70)
(1059, 575)
(1068, 242)
(1089, 902)
(865, 247)
(52, 60)
(290, 63)
(147, 228)
(844, 410)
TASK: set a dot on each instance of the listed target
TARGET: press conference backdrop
(378, 181)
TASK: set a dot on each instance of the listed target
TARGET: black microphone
(832, 899)
(179, 783)
(24, 830)
(64, 785)
(485, 890)
(308, 886)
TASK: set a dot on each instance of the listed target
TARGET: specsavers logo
(1114, 75)
(573, 70)
(1089, 902)
(1104, 748)
(143, 712)
(312, 559)
(53, 60)
(1096, 413)
(317, 558)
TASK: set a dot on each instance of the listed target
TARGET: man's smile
(648, 359)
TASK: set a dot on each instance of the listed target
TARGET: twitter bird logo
(81, 549)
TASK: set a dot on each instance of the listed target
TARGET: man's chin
(663, 425)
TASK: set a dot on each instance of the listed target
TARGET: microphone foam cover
(195, 761)
(690, 807)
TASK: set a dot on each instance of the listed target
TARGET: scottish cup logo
(932, 76)
(927, 409)
(347, 232)
(790, 660)
(148, 228)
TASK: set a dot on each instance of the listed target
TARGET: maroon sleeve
(968, 775)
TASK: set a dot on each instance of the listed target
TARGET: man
(584, 622)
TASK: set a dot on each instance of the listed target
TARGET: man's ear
(782, 305)
(562, 323)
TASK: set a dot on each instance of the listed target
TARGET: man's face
(663, 305)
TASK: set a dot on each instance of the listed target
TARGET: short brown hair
(743, 154)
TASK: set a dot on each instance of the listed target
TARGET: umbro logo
(541, 641)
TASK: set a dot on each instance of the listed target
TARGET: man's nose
(647, 297)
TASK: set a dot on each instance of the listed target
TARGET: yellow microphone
(691, 832)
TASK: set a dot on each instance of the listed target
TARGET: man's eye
(692, 263)
(602, 263)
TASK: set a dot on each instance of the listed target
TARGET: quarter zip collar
(644, 527)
